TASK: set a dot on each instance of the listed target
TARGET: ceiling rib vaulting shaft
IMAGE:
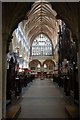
(42, 19)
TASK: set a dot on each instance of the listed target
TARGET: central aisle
(42, 99)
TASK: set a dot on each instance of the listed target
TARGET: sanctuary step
(13, 111)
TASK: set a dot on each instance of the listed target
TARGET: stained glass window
(41, 46)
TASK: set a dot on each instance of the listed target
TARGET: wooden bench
(72, 111)
(13, 111)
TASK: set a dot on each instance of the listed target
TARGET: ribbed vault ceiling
(42, 19)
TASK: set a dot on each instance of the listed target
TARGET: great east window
(41, 46)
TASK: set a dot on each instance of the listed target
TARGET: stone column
(4, 74)
(0, 61)
(78, 34)
(79, 71)
(30, 51)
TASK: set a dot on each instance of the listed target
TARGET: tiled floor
(43, 99)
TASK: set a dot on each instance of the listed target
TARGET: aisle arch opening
(24, 43)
